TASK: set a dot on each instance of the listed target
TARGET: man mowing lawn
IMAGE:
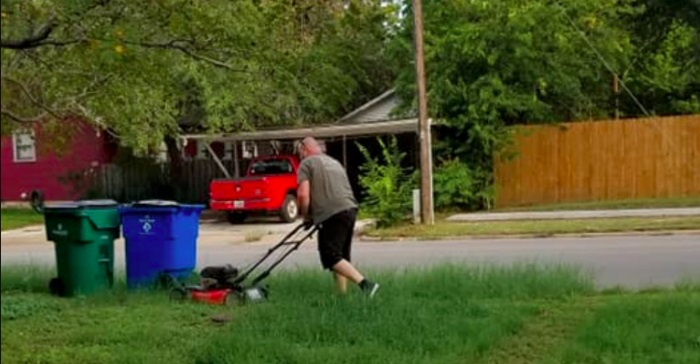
(326, 199)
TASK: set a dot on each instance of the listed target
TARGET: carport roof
(319, 131)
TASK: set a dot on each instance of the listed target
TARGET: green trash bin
(83, 234)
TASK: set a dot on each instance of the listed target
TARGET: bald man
(326, 199)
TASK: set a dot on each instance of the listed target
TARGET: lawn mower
(226, 284)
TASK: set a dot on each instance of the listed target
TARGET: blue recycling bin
(160, 238)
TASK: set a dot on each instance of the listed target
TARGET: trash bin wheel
(178, 295)
(56, 287)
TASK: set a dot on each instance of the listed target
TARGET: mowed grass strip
(662, 327)
(15, 218)
(447, 314)
(639, 203)
(543, 334)
(444, 229)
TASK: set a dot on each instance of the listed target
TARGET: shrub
(387, 184)
(456, 185)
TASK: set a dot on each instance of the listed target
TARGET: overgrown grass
(443, 229)
(446, 314)
(15, 218)
(611, 204)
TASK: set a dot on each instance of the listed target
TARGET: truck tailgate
(238, 189)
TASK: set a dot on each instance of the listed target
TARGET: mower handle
(283, 242)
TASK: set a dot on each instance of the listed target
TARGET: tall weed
(387, 184)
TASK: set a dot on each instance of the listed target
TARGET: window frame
(15, 145)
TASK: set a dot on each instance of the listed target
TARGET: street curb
(19, 230)
(367, 238)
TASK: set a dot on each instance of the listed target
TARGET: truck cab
(268, 188)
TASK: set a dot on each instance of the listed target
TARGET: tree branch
(22, 119)
(33, 40)
(176, 44)
(31, 97)
(48, 110)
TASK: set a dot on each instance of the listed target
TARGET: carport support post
(236, 168)
(345, 151)
(216, 159)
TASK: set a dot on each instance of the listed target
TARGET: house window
(24, 147)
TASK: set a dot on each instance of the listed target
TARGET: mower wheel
(56, 287)
(233, 298)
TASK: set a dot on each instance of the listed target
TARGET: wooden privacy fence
(602, 160)
(151, 181)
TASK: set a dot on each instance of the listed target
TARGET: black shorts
(335, 237)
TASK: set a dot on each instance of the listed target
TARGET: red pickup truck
(269, 187)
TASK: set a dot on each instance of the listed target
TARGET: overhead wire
(610, 68)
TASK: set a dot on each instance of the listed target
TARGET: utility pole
(426, 169)
(616, 90)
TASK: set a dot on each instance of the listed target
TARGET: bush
(456, 185)
(387, 185)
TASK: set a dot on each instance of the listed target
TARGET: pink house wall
(87, 149)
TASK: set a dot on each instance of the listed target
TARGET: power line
(602, 59)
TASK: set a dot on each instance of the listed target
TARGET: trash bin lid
(82, 204)
(62, 206)
(97, 203)
(155, 203)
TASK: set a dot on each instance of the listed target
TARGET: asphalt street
(631, 261)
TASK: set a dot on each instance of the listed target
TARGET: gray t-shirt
(329, 186)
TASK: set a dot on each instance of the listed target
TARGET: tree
(664, 72)
(140, 68)
(491, 64)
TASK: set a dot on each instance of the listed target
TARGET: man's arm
(303, 198)
(304, 190)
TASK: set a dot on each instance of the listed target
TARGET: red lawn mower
(225, 285)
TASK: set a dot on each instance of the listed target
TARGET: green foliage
(666, 77)
(491, 65)
(387, 184)
(143, 69)
(456, 185)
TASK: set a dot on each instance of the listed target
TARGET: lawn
(15, 218)
(445, 229)
(448, 314)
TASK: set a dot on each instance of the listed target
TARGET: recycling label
(147, 225)
(59, 231)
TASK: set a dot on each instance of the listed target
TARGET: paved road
(631, 261)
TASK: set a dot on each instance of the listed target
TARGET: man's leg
(334, 238)
(346, 270)
(344, 267)
(341, 282)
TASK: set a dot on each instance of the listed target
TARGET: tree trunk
(175, 161)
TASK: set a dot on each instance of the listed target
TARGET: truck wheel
(290, 209)
(235, 217)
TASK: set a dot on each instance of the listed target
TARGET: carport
(328, 132)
